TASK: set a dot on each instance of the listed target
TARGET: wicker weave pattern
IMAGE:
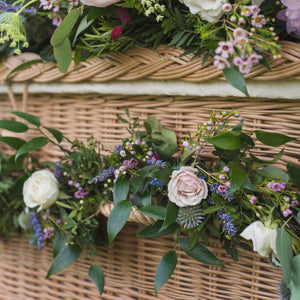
(141, 63)
(130, 269)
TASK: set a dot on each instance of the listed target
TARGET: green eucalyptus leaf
(199, 253)
(13, 126)
(236, 79)
(121, 190)
(27, 117)
(154, 211)
(65, 28)
(13, 142)
(64, 258)
(96, 274)
(32, 145)
(63, 55)
(165, 269)
(272, 138)
(285, 253)
(117, 219)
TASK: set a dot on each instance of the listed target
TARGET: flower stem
(27, 4)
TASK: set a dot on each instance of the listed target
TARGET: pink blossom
(46, 4)
(258, 21)
(247, 12)
(255, 10)
(222, 188)
(239, 33)
(252, 199)
(124, 15)
(255, 58)
(227, 7)
(245, 68)
(225, 49)
(276, 186)
(220, 62)
(99, 3)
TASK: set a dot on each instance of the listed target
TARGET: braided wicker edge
(135, 215)
(143, 63)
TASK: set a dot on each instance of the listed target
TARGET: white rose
(99, 3)
(185, 188)
(40, 189)
(263, 238)
(208, 10)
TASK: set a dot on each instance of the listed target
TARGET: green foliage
(96, 274)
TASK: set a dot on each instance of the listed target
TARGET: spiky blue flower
(105, 174)
(283, 290)
(227, 222)
(39, 234)
(152, 161)
(118, 149)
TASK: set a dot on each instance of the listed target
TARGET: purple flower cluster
(152, 161)
(276, 186)
(104, 175)
(286, 208)
(36, 224)
(4, 6)
(227, 222)
(221, 190)
(48, 233)
(237, 50)
(291, 15)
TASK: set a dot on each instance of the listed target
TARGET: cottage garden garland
(234, 197)
(237, 34)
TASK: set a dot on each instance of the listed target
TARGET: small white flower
(263, 238)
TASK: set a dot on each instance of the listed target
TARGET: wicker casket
(180, 93)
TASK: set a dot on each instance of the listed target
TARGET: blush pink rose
(99, 3)
(185, 188)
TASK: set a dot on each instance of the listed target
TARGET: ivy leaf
(64, 258)
(236, 79)
(272, 138)
(27, 117)
(121, 190)
(32, 145)
(199, 253)
(117, 219)
(13, 126)
(165, 269)
(96, 274)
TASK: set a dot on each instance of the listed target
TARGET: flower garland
(236, 196)
(238, 34)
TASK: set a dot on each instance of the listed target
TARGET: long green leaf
(13, 142)
(199, 253)
(32, 145)
(23, 66)
(165, 269)
(59, 243)
(27, 117)
(285, 253)
(236, 79)
(63, 55)
(171, 215)
(117, 219)
(238, 176)
(272, 138)
(226, 141)
(294, 173)
(96, 274)
(13, 126)
(56, 134)
(154, 211)
(154, 230)
(64, 259)
(121, 190)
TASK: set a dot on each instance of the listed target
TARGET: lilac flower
(46, 4)
(254, 58)
(226, 169)
(255, 10)
(287, 212)
(237, 61)
(185, 144)
(227, 7)
(258, 21)
(246, 11)
(276, 186)
(252, 199)
(222, 177)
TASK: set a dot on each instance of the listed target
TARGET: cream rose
(40, 189)
(185, 188)
(208, 10)
(99, 3)
(263, 238)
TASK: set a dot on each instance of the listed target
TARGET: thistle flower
(190, 216)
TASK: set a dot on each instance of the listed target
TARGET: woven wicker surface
(141, 63)
(82, 116)
(129, 268)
